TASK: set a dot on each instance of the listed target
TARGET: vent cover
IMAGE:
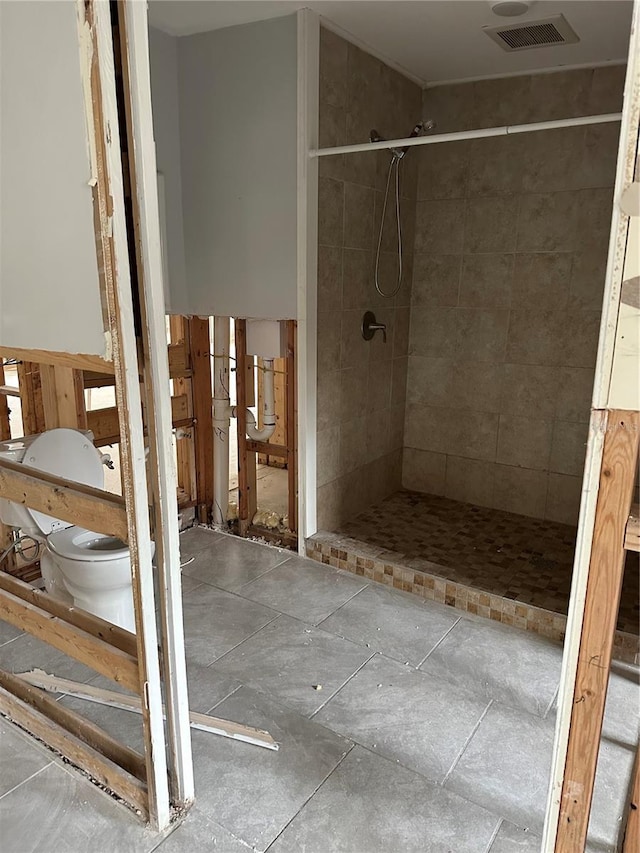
(548, 32)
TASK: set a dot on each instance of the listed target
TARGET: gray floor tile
(199, 833)
(512, 839)
(304, 588)
(507, 764)
(622, 711)
(207, 688)
(8, 633)
(287, 659)
(57, 811)
(189, 584)
(515, 667)
(125, 726)
(405, 715)
(371, 805)
(20, 757)
(231, 562)
(255, 792)
(197, 539)
(215, 621)
(397, 624)
(26, 652)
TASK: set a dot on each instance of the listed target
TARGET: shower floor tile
(414, 540)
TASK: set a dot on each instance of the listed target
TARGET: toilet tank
(14, 514)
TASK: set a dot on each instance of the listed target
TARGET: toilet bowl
(93, 570)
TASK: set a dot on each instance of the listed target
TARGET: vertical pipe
(221, 412)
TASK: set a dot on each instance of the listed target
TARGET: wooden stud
(5, 429)
(62, 407)
(105, 659)
(105, 772)
(104, 423)
(200, 350)
(78, 504)
(617, 476)
(109, 633)
(84, 729)
(291, 396)
(133, 31)
(110, 224)
(79, 361)
(185, 447)
(31, 398)
(247, 475)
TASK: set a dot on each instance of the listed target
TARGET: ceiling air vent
(547, 32)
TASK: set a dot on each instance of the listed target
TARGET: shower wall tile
(440, 226)
(469, 480)
(361, 396)
(490, 224)
(486, 281)
(505, 312)
(524, 442)
(424, 471)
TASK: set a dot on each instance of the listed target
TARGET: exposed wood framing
(85, 506)
(247, 476)
(185, 447)
(63, 359)
(131, 790)
(617, 476)
(134, 32)
(113, 266)
(291, 398)
(104, 423)
(200, 354)
(5, 430)
(62, 397)
(30, 383)
(266, 457)
(202, 722)
(72, 641)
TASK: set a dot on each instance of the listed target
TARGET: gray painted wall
(163, 56)
(49, 286)
(238, 127)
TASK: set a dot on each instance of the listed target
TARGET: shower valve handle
(370, 326)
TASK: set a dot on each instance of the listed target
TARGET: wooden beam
(62, 407)
(85, 506)
(247, 475)
(81, 646)
(31, 398)
(617, 476)
(200, 350)
(291, 397)
(185, 447)
(632, 532)
(84, 729)
(264, 447)
(114, 635)
(8, 390)
(79, 361)
(106, 773)
(105, 424)
(179, 360)
(5, 390)
(202, 722)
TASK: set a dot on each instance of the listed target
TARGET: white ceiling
(430, 40)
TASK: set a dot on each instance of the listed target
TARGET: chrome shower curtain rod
(465, 134)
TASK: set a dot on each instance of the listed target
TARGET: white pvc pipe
(268, 407)
(507, 130)
(221, 415)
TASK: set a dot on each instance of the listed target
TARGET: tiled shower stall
(450, 458)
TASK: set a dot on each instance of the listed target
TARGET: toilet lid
(66, 453)
(75, 543)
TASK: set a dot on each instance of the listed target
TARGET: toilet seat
(66, 453)
(76, 543)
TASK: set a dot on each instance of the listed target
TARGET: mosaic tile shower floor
(511, 561)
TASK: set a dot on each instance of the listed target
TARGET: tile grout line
(224, 698)
(495, 834)
(312, 795)
(441, 640)
(318, 625)
(344, 684)
(259, 577)
(28, 779)
(465, 745)
(233, 648)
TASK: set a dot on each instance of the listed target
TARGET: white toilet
(92, 570)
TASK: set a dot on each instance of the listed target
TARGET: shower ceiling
(429, 40)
